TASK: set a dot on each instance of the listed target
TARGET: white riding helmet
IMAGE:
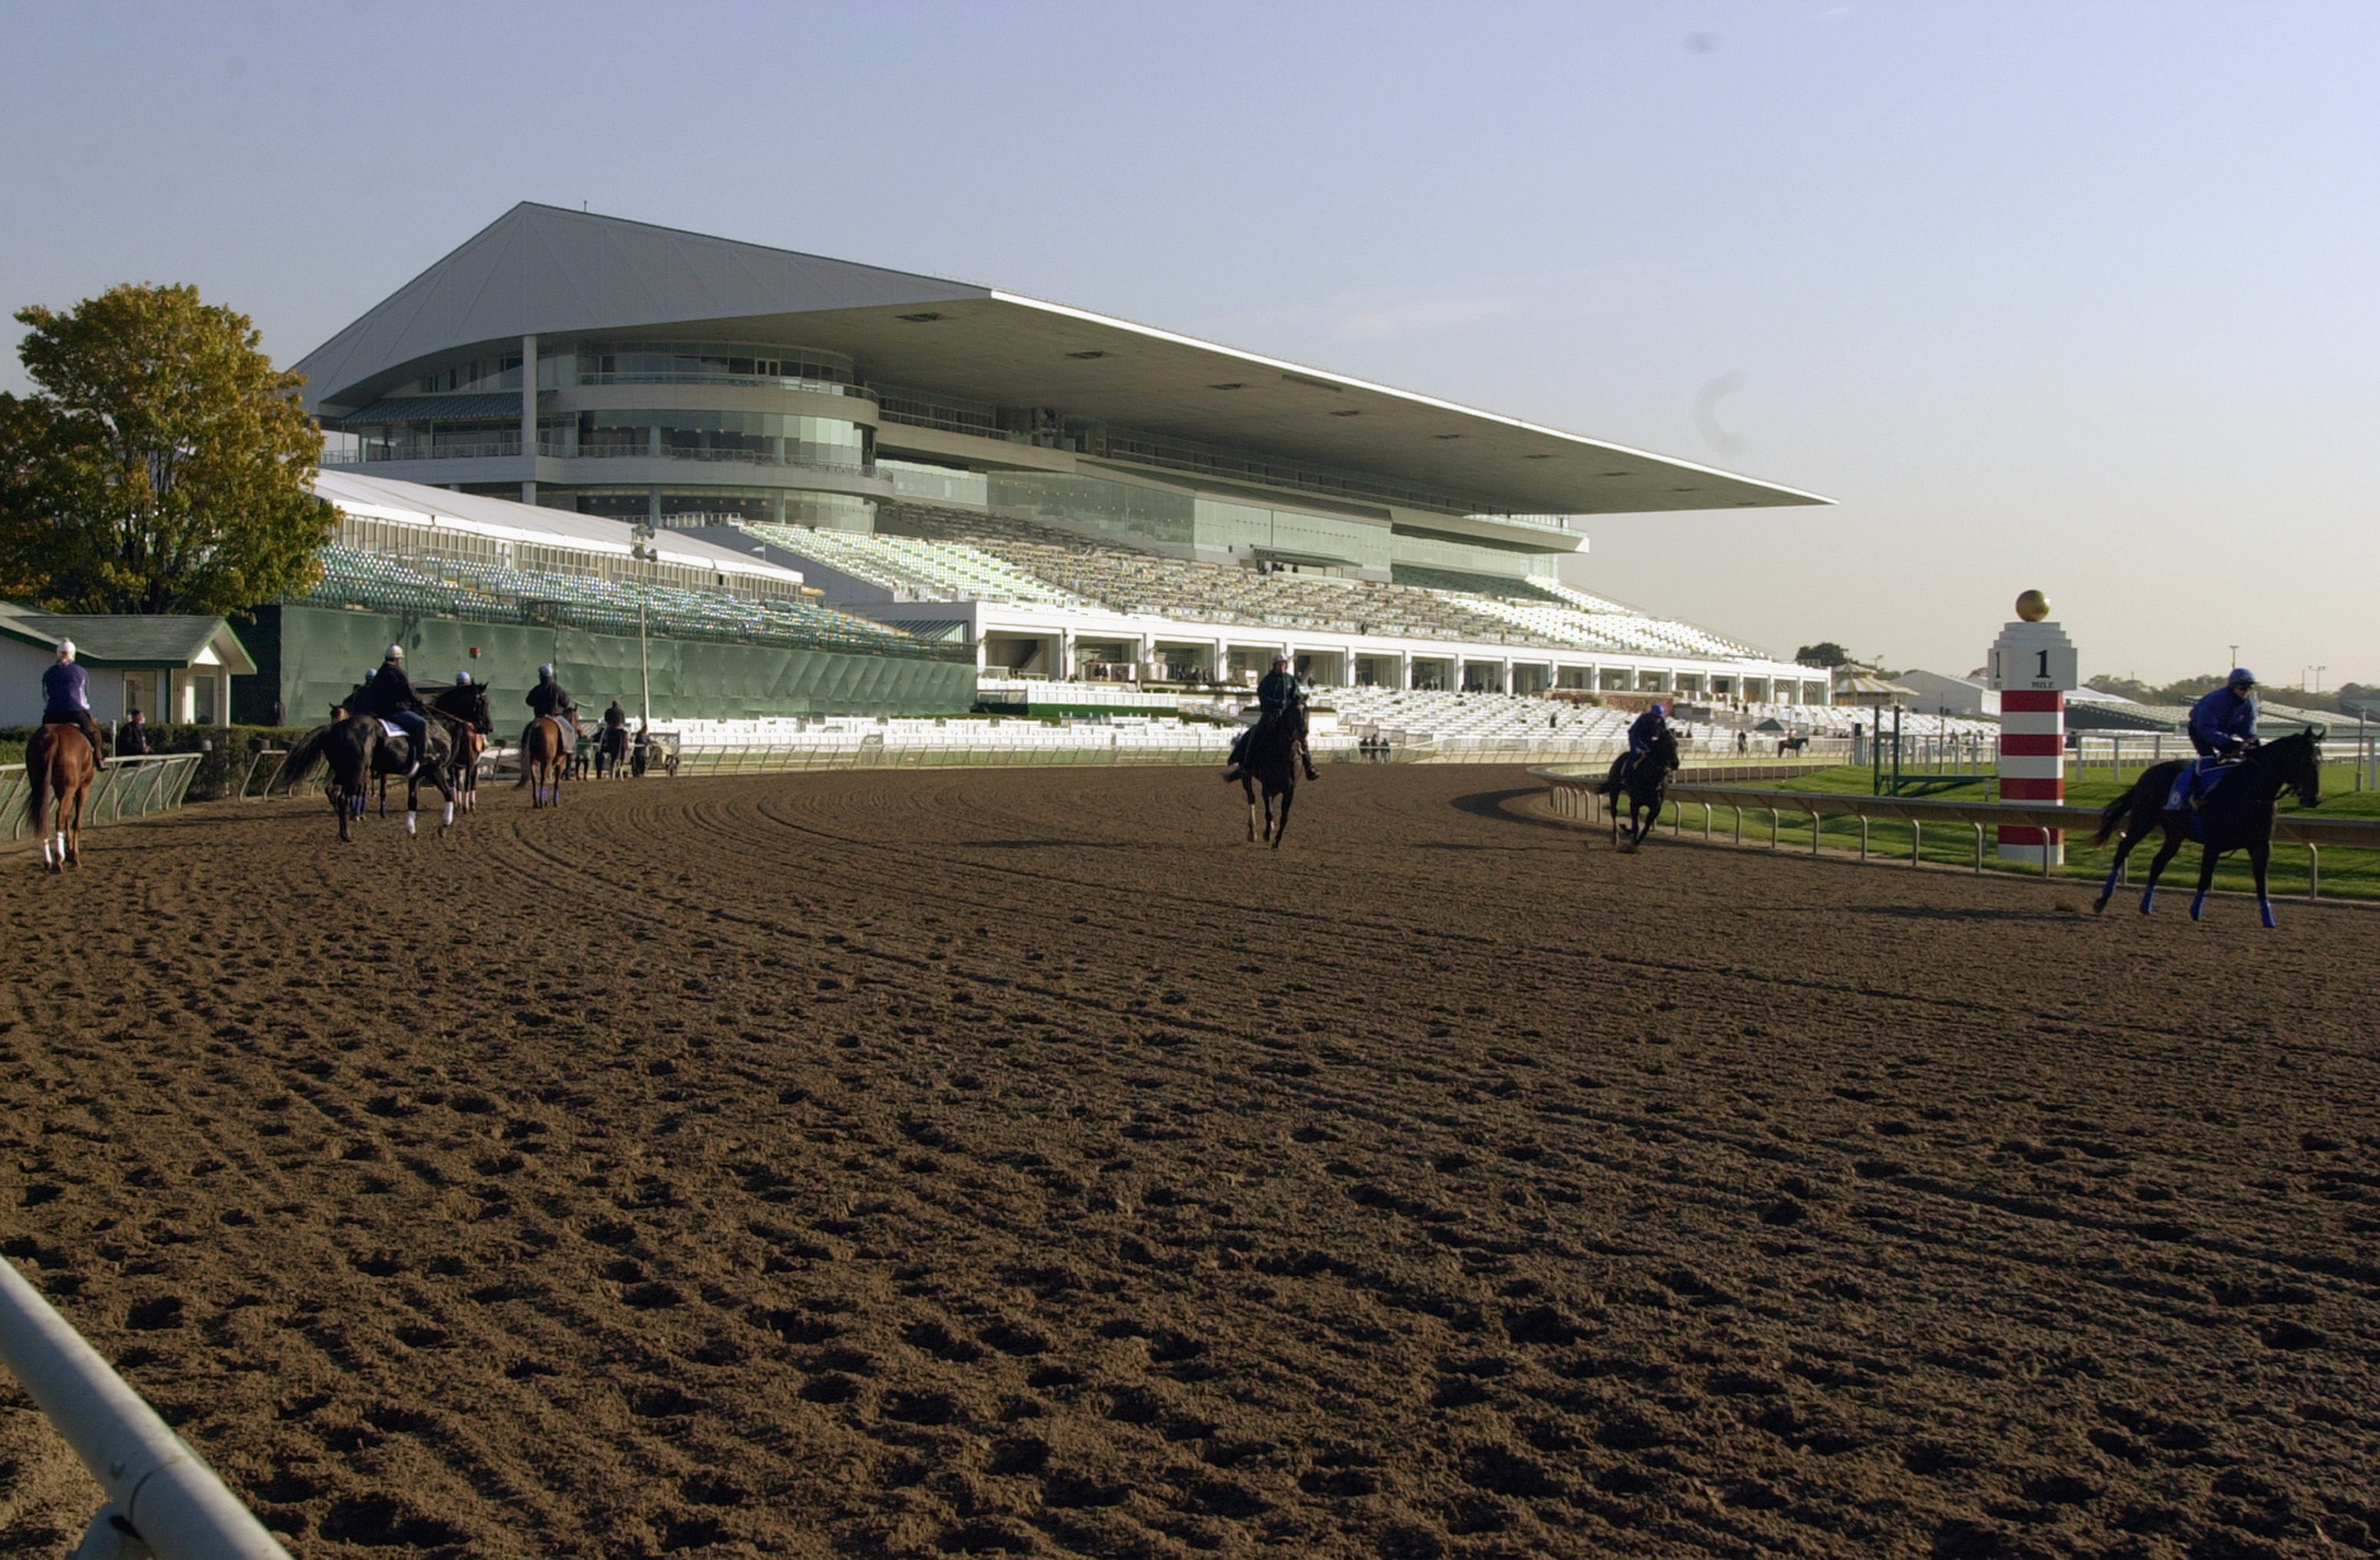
(545, 671)
(395, 652)
(66, 648)
(1281, 660)
(462, 678)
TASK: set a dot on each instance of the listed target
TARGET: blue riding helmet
(2242, 678)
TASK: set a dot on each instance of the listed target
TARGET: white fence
(127, 788)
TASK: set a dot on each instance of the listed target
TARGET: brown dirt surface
(1021, 1163)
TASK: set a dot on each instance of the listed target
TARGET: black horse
(1269, 757)
(356, 748)
(1643, 782)
(2237, 816)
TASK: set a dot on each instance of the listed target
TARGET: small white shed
(177, 669)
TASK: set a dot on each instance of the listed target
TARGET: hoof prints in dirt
(873, 1190)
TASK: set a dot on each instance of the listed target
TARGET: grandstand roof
(559, 274)
(414, 504)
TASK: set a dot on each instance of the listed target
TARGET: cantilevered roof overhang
(567, 276)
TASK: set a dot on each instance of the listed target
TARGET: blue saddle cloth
(2206, 774)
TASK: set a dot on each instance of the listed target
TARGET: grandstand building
(1044, 491)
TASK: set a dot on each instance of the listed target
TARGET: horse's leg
(2260, 857)
(1248, 789)
(2207, 856)
(1282, 826)
(413, 805)
(2167, 851)
(2125, 841)
(82, 790)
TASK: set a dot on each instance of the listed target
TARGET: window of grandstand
(787, 368)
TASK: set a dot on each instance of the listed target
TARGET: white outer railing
(127, 788)
(161, 1497)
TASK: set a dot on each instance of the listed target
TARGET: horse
(2236, 816)
(1271, 760)
(357, 747)
(545, 757)
(1647, 780)
(611, 751)
(61, 765)
(464, 705)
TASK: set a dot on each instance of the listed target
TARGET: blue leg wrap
(2148, 898)
(2197, 904)
(2266, 907)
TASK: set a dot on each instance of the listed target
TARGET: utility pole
(644, 552)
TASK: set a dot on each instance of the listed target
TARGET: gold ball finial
(2032, 605)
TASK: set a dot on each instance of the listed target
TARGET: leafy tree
(161, 465)
(1825, 653)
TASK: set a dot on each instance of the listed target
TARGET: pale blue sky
(2079, 297)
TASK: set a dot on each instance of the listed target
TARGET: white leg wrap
(409, 822)
(450, 814)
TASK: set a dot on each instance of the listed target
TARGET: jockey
(66, 700)
(391, 696)
(615, 719)
(550, 699)
(1648, 728)
(2222, 726)
(1280, 696)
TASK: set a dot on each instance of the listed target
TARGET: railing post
(1979, 850)
(1916, 842)
(2314, 871)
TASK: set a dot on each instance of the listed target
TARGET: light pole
(643, 552)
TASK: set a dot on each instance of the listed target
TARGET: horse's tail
(304, 755)
(2113, 814)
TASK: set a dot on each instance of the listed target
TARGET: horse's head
(2295, 762)
(1664, 748)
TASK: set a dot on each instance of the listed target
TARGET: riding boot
(1306, 756)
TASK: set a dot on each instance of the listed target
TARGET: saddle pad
(392, 728)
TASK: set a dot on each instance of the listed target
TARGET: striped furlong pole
(2032, 768)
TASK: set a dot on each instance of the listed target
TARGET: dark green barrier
(320, 655)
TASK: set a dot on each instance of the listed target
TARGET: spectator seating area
(915, 569)
(1421, 603)
(446, 586)
(1836, 720)
(1474, 715)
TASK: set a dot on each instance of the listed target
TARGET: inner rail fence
(866, 754)
(127, 788)
(163, 1499)
(1575, 796)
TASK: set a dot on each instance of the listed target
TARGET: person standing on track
(66, 700)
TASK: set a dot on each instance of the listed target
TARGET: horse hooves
(2100, 907)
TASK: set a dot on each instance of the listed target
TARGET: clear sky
(2075, 296)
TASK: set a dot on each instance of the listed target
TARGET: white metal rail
(161, 1497)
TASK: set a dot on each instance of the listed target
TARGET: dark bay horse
(545, 755)
(464, 705)
(357, 747)
(59, 762)
(2236, 816)
(1270, 759)
(1647, 780)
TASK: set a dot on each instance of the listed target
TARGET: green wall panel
(323, 653)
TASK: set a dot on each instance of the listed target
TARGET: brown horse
(466, 708)
(62, 765)
(545, 755)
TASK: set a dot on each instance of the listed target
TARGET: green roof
(111, 641)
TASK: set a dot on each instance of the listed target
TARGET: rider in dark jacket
(389, 694)
(1280, 696)
(2222, 726)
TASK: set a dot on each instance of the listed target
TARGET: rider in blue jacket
(2222, 726)
(1642, 733)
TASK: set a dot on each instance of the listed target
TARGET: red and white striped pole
(2032, 768)
(2033, 665)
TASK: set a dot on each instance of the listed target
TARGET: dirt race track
(1020, 1163)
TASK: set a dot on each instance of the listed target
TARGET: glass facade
(765, 437)
(707, 505)
(786, 367)
(1122, 509)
